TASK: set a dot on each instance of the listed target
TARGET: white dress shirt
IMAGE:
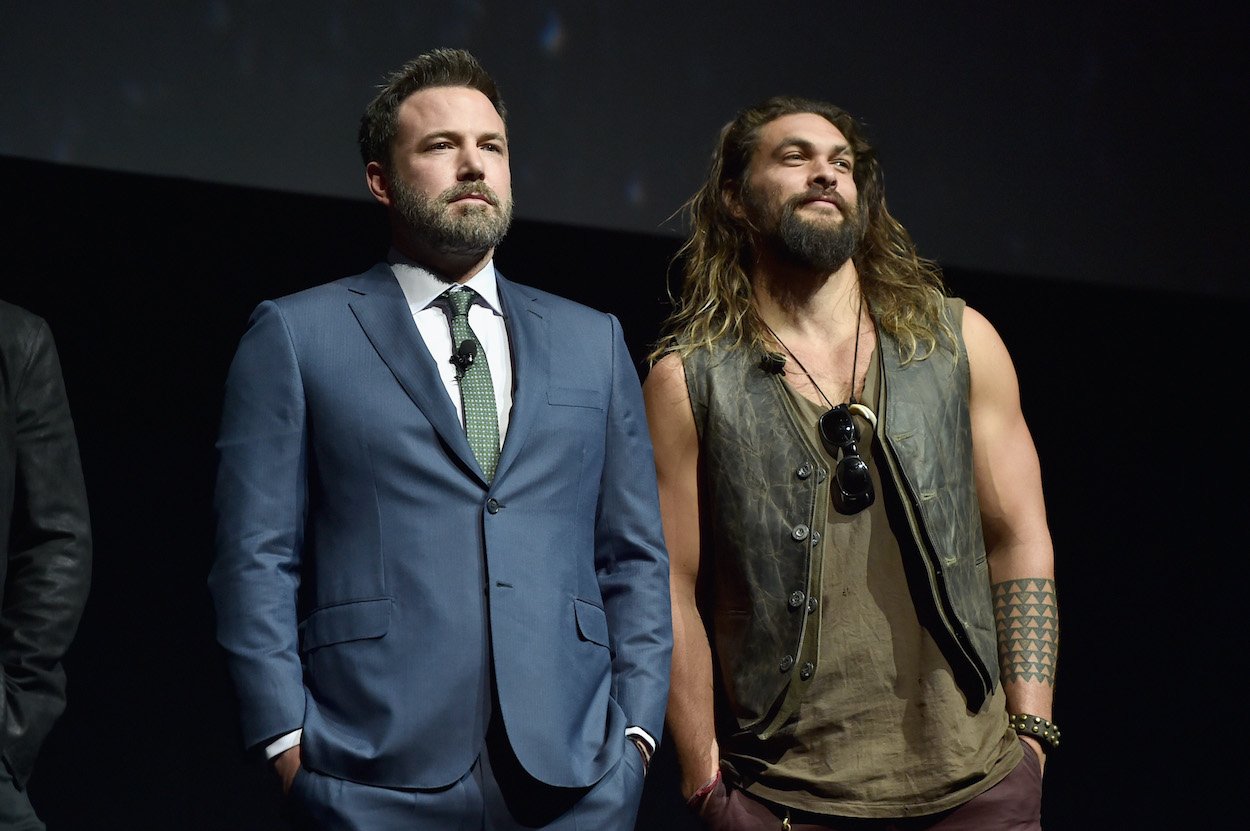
(421, 288)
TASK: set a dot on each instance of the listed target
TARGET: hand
(286, 764)
(1038, 749)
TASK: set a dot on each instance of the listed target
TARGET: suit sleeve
(260, 503)
(632, 561)
(49, 555)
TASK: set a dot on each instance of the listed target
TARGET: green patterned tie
(477, 391)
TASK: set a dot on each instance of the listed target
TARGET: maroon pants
(1014, 804)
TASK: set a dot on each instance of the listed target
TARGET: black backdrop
(147, 284)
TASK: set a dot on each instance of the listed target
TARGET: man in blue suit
(441, 581)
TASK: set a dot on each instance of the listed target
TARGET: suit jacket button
(492, 506)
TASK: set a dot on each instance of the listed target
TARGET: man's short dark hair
(437, 68)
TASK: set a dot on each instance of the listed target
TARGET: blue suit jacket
(368, 580)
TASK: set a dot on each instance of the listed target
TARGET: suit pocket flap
(575, 397)
(353, 621)
(592, 623)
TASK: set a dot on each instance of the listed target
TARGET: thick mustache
(470, 189)
(826, 194)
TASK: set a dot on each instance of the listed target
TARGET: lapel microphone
(463, 359)
(773, 364)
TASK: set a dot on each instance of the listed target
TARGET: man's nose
(471, 167)
(825, 175)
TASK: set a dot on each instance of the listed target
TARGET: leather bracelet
(702, 793)
(1039, 728)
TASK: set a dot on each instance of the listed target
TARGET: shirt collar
(421, 287)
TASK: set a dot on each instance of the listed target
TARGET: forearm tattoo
(1027, 618)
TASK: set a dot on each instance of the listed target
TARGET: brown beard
(820, 246)
(476, 230)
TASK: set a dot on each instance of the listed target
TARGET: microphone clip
(773, 364)
(465, 354)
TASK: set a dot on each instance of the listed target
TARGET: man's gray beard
(476, 229)
(818, 245)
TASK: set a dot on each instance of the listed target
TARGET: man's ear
(379, 182)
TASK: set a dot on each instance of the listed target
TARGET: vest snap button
(811, 605)
(808, 669)
(800, 532)
(797, 598)
(786, 663)
(804, 471)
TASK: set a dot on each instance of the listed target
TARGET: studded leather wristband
(1044, 730)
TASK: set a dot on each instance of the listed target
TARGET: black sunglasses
(852, 484)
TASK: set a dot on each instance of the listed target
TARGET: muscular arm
(691, 724)
(1013, 517)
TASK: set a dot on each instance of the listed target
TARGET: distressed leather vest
(762, 478)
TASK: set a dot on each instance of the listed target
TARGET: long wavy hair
(904, 292)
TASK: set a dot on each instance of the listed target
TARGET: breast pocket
(576, 397)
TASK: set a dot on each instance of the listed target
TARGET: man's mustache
(471, 189)
(825, 194)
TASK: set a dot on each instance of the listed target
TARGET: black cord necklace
(854, 360)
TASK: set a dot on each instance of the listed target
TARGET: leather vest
(762, 478)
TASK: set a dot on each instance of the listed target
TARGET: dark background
(1078, 169)
(147, 283)
(1095, 140)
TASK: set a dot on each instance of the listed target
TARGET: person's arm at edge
(49, 570)
(691, 720)
(1013, 518)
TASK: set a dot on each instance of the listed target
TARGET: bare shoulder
(978, 329)
(669, 413)
(992, 371)
(666, 381)
(986, 349)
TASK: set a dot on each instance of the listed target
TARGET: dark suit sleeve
(49, 547)
(260, 503)
(632, 560)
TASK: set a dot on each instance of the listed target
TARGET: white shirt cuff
(642, 734)
(283, 743)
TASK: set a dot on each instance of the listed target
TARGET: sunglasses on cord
(852, 484)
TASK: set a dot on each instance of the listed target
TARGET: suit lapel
(382, 311)
(527, 333)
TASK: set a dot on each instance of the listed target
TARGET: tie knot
(460, 299)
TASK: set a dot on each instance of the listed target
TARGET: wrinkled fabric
(45, 529)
